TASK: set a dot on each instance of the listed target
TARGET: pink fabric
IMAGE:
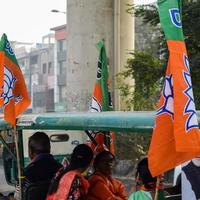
(65, 186)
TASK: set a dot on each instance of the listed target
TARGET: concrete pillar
(56, 97)
(89, 21)
(124, 42)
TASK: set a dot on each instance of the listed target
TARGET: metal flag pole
(18, 162)
(157, 188)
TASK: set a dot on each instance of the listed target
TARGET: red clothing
(105, 188)
(64, 190)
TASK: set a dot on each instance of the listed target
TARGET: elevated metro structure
(88, 22)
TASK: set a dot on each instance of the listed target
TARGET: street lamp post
(56, 92)
(58, 11)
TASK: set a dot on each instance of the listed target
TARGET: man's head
(144, 174)
(38, 143)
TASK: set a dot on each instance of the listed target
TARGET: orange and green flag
(176, 136)
(13, 92)
(101, 100)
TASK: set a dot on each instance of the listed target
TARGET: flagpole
(15, 94)
(107, 139)
(157, 188)
(18, 162)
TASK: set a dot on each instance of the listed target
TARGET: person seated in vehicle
(43, 166)
(69, 183)
(102, 185)
(145, 183)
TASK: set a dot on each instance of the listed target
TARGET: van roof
(138, 121)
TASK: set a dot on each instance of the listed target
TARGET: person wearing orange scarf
(102, 185)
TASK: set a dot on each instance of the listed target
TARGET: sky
(29, 20)
(144, 1)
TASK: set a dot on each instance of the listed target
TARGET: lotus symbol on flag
(190, 106)
(96, 106)
(168, 97)
(99, 70)
(8, 87)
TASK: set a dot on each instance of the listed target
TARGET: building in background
(37, 64)
(44, 69)
(61, 75)
(60, 68)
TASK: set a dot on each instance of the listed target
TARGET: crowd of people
(70, 183)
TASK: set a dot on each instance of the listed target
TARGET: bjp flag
(176, 136)
(13, 93)
(101, 100)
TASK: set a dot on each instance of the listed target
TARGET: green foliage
(190, 17)
(148, 13)
(148, 69)
(146, 38)
(146, 72)
(131, 146)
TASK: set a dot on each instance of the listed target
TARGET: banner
(13, 93)
(176, 136)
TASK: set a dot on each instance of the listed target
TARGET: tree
(131, 146)
(144, 65)
(146, 72)
(147, 66)
(190, 17)
(146, 37)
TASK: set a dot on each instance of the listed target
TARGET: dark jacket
(43, 168)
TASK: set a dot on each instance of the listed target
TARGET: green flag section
(6, 48)
(170, 19)
(176, 135)
(101, 95)
(13, 92)
(101, 100)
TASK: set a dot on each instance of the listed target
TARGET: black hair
(144, 174)
(100, 156)
(81, 157)
(39, 143)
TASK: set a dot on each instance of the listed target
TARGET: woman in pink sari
(69, 184)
